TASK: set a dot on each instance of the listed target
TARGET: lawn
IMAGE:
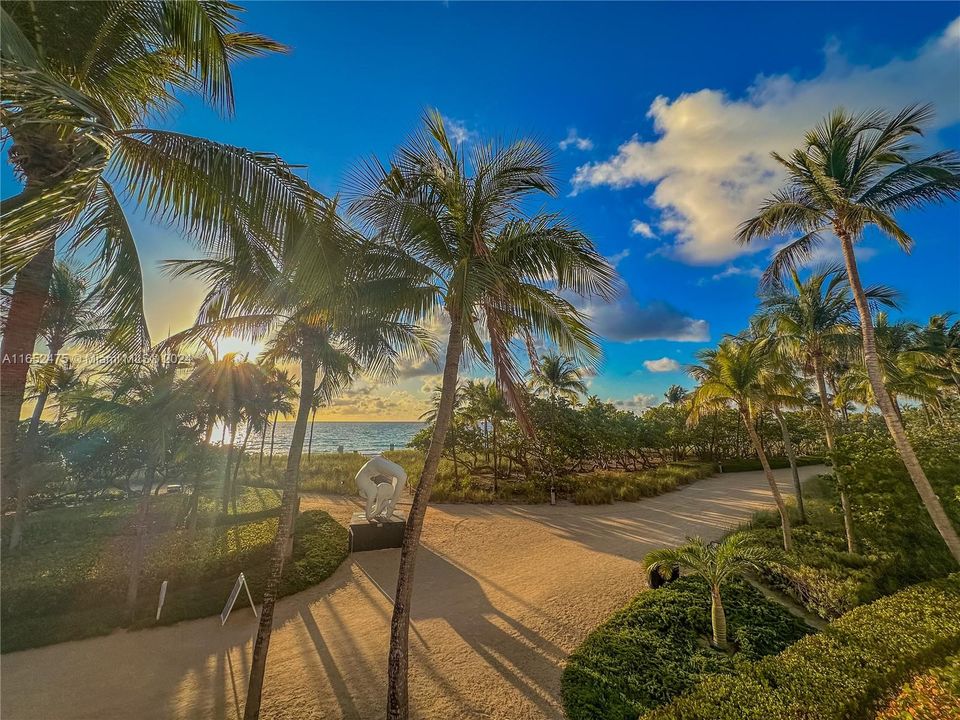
(70, 578)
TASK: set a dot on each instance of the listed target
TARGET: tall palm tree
(458, 216)
(281, 392)
(734, 373)
(940, 339)
(79, 83)
(855, 171)
(329, 301)
(557, 375)
(484, 403)
(814, 320)
(715, 562)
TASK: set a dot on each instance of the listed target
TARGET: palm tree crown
(557, 375)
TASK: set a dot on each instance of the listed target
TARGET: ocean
(363, 437)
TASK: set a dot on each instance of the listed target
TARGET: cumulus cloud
(625, 319)
(642, 401)
(661, 365)
(575, 141)
(619, 257)
(638, 227)
(710, 163)
(736, 271)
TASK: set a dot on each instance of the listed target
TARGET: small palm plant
(557, 375)
(715, 562)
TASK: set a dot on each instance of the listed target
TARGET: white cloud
(619, 257)
(710, 163)
(661, 365)
(641, 401)
(574, 140)
(735, 271)
(638, 227)
(458, 130)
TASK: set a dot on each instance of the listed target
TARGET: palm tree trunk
(771, 480)
(313, 421)
(397, 707)
(243, 452)
(258, 665)
(788, 449)
(226, 471)
(828, 431)
(890, 416)
(718, 619)
(30, 290)
(273, 434)
(496, 463)
(136, 564)
(263, 441)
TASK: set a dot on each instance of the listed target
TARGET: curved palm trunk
(788, 449)
(313, 421)
(718, 619)
(890, 416)
(771, 480)
(30, 290)
(258, 664)
(397, 706)
(831, 442)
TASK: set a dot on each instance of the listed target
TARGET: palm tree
(557, 375)
(484, 403)
(714, 562)
(734, 373)
(329, 301)
(940, 339)
(457, 215)
(855, 171)
(675, 395)
(68, 317)
(281, 392)
(75, 112)
(814, 320)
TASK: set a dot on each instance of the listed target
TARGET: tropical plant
(735, 372)
(853, 172)
(79, 83)
(715, 562)
(557, 375)
(814, 321)
(281, 392)
(458, 216)
(331, 302)
(675, 395)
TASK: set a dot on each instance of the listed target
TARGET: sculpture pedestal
(379, 535)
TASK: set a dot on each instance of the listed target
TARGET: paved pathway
(503, 594)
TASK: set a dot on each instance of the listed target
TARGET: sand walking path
(503, 594)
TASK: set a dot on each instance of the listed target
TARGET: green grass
(607, 486)
(657, 647)
(73, 584)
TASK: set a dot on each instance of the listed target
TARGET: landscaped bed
(657, 647)
(70, 579)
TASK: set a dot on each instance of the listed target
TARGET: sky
(662, 118)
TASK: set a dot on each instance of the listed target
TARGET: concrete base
(379, 535)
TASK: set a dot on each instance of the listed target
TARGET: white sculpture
(381, 496)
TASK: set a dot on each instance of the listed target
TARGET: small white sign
(163, 596)
(241, 582)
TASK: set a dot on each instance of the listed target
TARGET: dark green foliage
(72, 588)
(777, 463)
(899, 545)
(840, 673)
(656, 648)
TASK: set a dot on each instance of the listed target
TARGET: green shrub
(777, 463)
(842, 672)
(607, 486)
(656, 648)
(66, 591)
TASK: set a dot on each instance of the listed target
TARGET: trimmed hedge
(777, 463)
(657, 647)
(931, 695)
(842, 672)
(80, 591)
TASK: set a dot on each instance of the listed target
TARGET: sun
(241, 346)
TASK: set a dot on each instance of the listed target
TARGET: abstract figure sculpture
(381, 482)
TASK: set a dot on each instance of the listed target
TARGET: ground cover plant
(658, 647)
(842, 672)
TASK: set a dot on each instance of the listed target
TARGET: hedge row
(656, 648)
(53, 605)
(777, 463)
(842, 672)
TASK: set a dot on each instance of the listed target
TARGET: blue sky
(668, 111)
